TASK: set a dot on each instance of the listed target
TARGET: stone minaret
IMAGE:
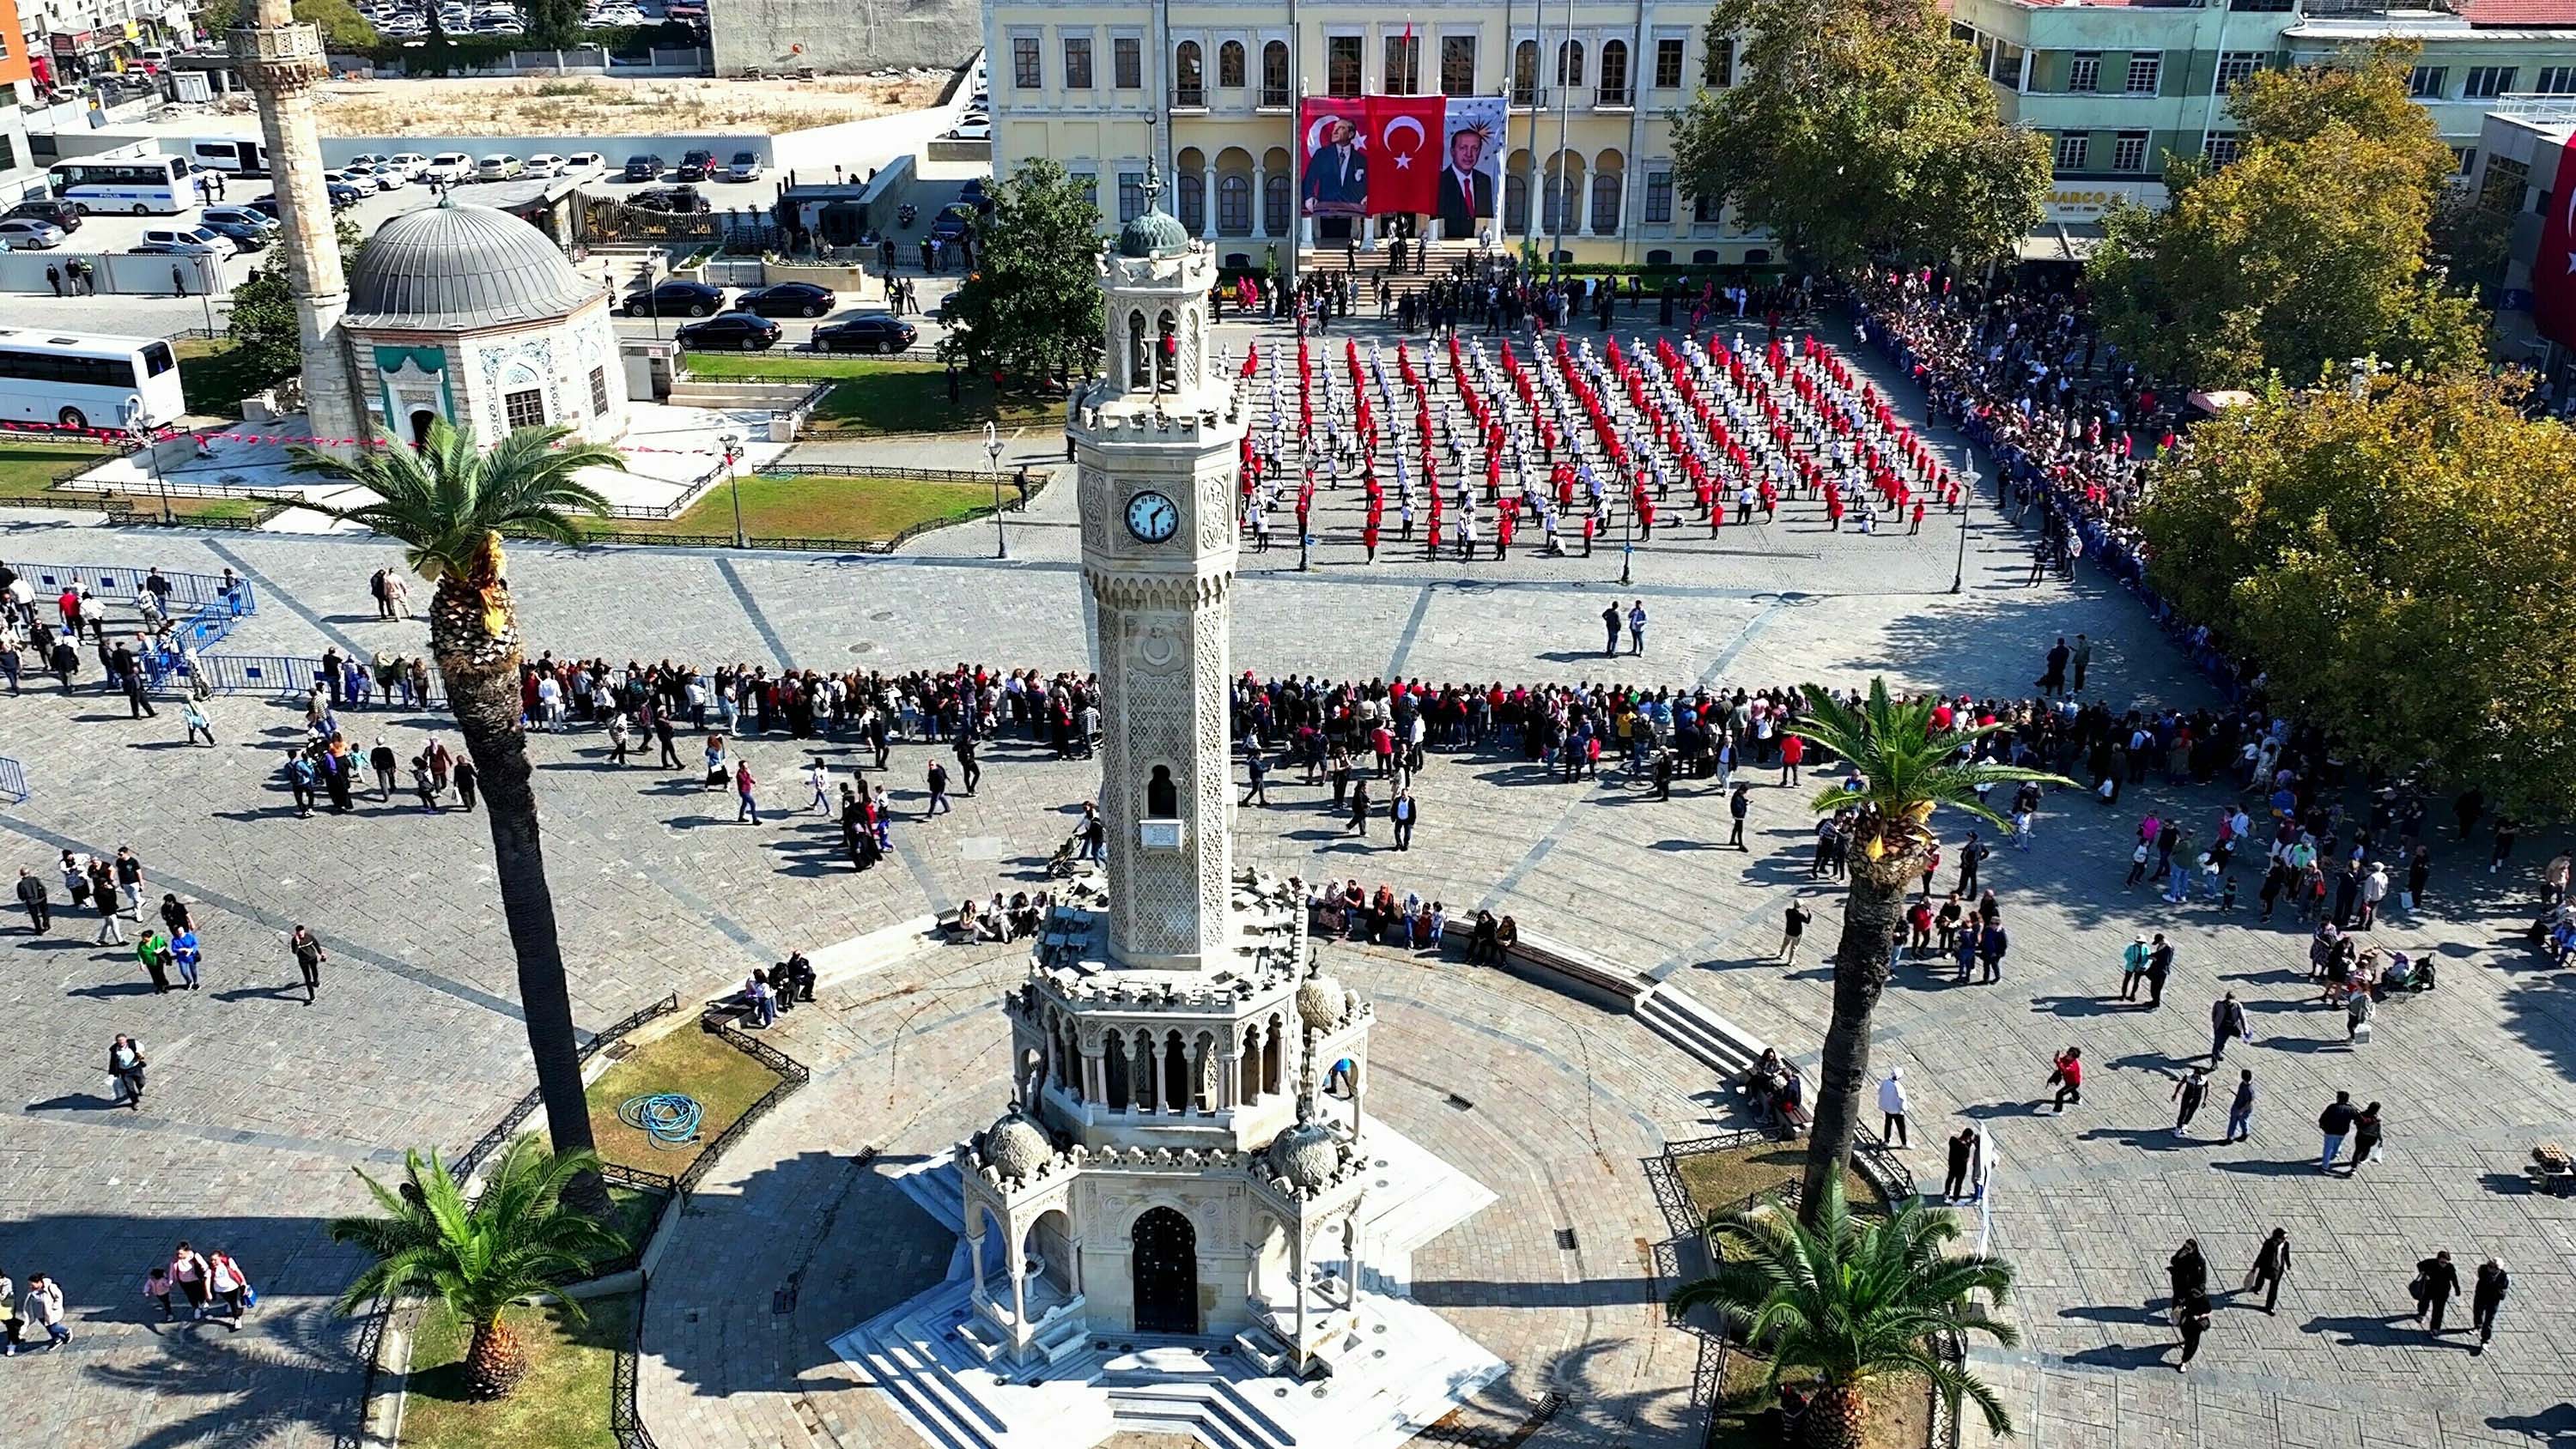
(1156, 439)
(283, 61)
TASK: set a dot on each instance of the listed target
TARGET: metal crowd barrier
(115, 583)
(13, 781)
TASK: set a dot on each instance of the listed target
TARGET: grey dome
(1154, 233)
(1306, 1154)
(451, 267)
(1320, 1002)
(1015, 1147)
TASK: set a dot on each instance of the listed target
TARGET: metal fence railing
(294, 675)
(114, 583)
(13, 781)
(526, 1107)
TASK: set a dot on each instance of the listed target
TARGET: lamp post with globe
(993, 457)
(1968, 485)
(732, 450)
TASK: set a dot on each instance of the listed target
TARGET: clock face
(1152, 517)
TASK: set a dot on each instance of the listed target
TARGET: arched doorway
(1165, 1262)
(421, 418)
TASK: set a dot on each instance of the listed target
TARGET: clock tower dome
(1158, 442)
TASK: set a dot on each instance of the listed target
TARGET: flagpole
(1538, 78)
(1296, 158)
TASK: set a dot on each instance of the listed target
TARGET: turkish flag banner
(2553, 266)
(1404, 152)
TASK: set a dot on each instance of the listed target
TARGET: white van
(448, 166)
(188, 240)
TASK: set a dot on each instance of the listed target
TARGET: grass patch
(867, 510)
(725, 1082)
(1718, 1180)
(27, 469)
(561, 1404)
(875, 397)
(1899, 1413)
(215, 376)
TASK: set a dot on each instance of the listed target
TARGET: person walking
(1792, 930)
(2160, 963)
(2189, 1093)
(2240, 1112)
(230, 1284)
(2188, 1273)
(1257, 777)
(42, 1307)
(2226, 1023)
(2436, 1280)
(309, 957)
(154, 952)
(2358, 1007)
(129, 880)
(2133, 967)
(1610, 626)
(466, 778)
(38, 900)
(190, 1270)
(1360, 808)
(1738, 804)
(187, 955)
(10, 1323)
(2191, 1320)
(2335, 1122)
(103, 896)
(2271, 1265)
(936, 776)
(125, 1065)
(1891, 1107)
(2067, 1076)
(746, 802)
(2365, 1137)
(1403, 810)
(2486, 1297)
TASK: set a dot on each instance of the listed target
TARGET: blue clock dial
(1152, 517)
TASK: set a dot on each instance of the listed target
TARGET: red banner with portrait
(1334, 155)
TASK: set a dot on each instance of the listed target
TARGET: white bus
(137, 184)
(77, 380)
(242, 156)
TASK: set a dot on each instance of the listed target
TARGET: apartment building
(1210, 90)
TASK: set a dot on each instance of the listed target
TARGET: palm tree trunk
(1837, 1418)
(495, 1361)
(1871, 915)
(481, 672)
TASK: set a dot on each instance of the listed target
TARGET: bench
(1577, 970)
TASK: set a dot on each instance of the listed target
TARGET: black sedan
(868, 332)
(788, 299)
(64, 214)
(643, 168)
(676, 299)
(731, 332)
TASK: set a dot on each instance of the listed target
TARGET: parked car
(676, 298)
(411, 162)
(979, 128)
(868, 332)
(357, 181)
(695, 165)
(788, 299)
(183, 232)
(244, 236)
(745, 166)
(953, 220)
(26, 233)
(253, 215)
(385, 174)
(731, 332)
(585, 161)
(546, 163)
(644, 168)
(501, 166)
(448, 167)
(678, 200)
(64, 214)
(343, 195)
(369, 159)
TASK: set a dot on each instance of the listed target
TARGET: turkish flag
(1404, 152)
(2553, 267)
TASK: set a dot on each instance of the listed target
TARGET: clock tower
(1158, 442)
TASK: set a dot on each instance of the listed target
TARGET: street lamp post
(1628, 525)
(1968, 482)
(993, 457)
(142, 430)
(733, 479)
(644, 278)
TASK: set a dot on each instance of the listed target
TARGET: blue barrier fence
(115, 584)
(13, 781)
(294, 676)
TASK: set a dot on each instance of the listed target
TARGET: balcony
(1189, 99)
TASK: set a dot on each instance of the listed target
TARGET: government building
(1211, 90)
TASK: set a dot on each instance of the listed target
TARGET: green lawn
(27, 469)
(1899, 1409)
(868, 510)
(215, 378)
(723, 1080)
(561, 1404)
(884, 396)
(1718, 1180)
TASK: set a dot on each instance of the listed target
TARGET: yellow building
(1210, 90)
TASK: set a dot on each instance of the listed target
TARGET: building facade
(1209, 90)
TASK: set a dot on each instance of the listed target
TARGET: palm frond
(515, 1239)
(446, 502)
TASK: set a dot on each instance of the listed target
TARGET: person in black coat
(2271, 1265)
(2436, 1280)
(2189, 1272)
(2486, 1298)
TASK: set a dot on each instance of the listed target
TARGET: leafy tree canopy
(2399, 565)
(1860, 130)
(343, 28)
(1029, 314)
(2313, 247)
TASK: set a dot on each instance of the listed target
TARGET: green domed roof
(1154, 233)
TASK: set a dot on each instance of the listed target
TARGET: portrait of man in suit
(1337, 174)
(1466, 192)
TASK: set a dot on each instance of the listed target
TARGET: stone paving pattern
(260, 1104)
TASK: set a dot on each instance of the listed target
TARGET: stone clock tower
(1158, 440)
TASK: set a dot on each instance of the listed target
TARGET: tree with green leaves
(2398, 564)
(343, 28)
(518, 1238)
(1028, 315)
(262, 327)
(1840, 1300)
(1907, 770)
(448, 503)
(1859, 131)
(551, 24)
(2312, 247)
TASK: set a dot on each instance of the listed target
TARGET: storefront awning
(2059, 241)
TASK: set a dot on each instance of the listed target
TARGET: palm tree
(447, 505)
(1906, 770)
(1847, 1299)
(516, 1239)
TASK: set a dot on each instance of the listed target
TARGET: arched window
(1274, 73)
(1167, 351)
(1140, 360)
(1558, 204)
(1569, 63)
(1606, 187)
(1525, 73)
(1189, 85)
(1162, 799)
(1661, 257)
(1229, 64)
(1234, 205)
(1193, 201)
(1516, 203)
(1614, 73)
(1274, 205)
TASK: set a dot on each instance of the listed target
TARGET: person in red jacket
(1793, 750)
(2068, 1078)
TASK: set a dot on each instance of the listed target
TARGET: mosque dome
(1154, 233)
(457, 268)
(1306, 1154)
(1320, 1001)
(1015, 1146)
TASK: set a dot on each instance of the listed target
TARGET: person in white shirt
(43, 1308)
(1891, 1104)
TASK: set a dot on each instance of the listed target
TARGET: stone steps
(1711, 1039)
